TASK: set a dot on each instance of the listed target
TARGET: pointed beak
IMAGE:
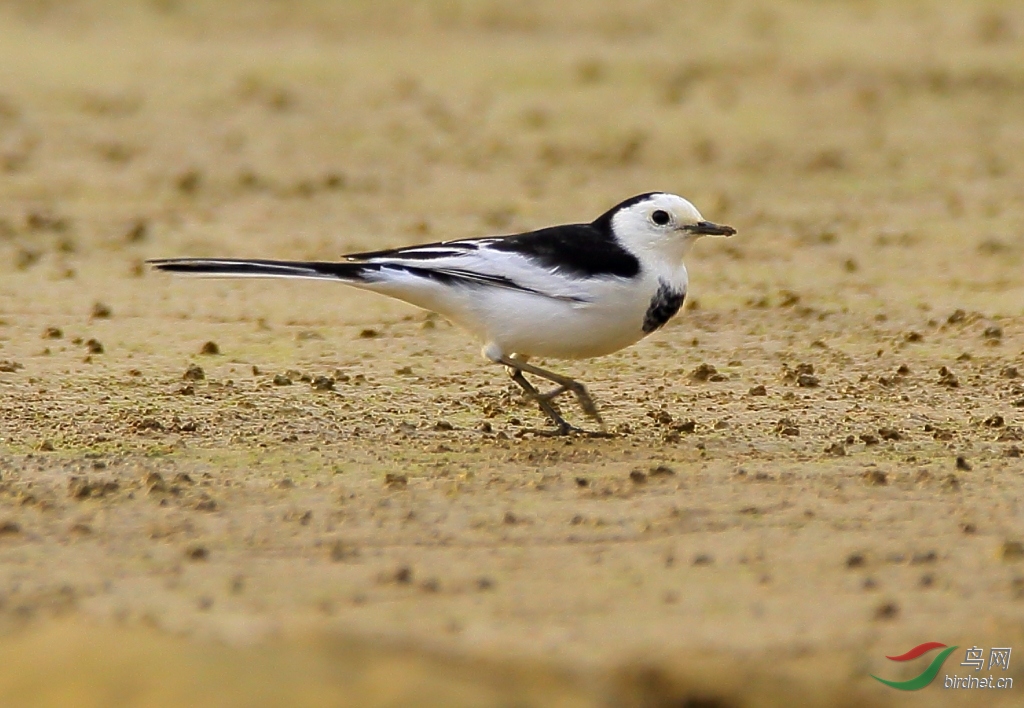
(706, 228)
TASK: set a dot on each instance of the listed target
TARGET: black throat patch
(664, 305)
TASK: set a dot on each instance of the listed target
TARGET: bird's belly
(549, 328)
(569, 340)
(536, 325)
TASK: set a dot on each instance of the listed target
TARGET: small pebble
(807, 381)
(395, 481)
(948, 378)
(341, 551)
(1012, 551)
(875, 478)
(322, 383)
(836, 449)
(887, 611)
(193, 373)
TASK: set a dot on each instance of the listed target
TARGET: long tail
(232, 268)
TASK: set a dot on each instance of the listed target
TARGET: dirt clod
(394, 480)
(875, 478)
(924, 557)
(787, 428)
(81, 487)
(341, 551)
(706, 372)
(194, 373)
(836, 449)
(155, 483)
(151, 425)
(948, 378)
(206, 504)
(887, 611)
(1012, 551)
(322, 383)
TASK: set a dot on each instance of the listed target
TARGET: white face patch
(639, 229)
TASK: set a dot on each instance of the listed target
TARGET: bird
(574, 291)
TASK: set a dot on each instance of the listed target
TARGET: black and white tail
(229, 267)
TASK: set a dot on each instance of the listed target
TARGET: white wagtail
(565, 292)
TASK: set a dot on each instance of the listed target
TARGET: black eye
(660, 217)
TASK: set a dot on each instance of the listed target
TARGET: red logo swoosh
(917, 651)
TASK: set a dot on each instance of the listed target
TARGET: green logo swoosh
(926, 677)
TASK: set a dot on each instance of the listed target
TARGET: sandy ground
(181, 527)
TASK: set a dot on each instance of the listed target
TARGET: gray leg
(544, 401)
(518, 366)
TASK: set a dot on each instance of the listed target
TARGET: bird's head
(660, 224)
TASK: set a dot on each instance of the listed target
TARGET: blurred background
(848, 141)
